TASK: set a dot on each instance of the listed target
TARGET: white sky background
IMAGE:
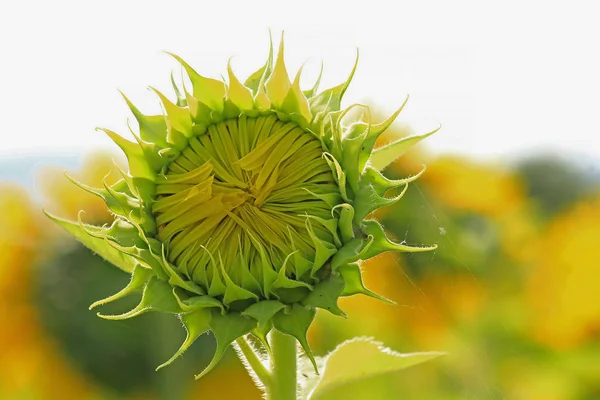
(501, 79)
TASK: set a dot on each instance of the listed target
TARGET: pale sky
(502, 79)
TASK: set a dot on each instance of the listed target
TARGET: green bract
(245, 207)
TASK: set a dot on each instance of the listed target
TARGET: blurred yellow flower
(227, 381)
(30, 366)
(562, 289)
(470, 186)
(66, 199)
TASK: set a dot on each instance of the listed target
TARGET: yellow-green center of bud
(247, 199)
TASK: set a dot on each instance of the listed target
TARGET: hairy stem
(252, 361)
(283, 367)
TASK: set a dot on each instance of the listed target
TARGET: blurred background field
(511, 194)
(511, 293)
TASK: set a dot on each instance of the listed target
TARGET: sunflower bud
(245, 207)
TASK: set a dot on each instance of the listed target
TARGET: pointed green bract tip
(246, 206)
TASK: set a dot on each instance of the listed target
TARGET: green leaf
(385, 155)
(226, 329)
(295, 322)
(157, 296)
(363, 358)
(97, 245)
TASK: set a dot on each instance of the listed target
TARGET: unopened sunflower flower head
(246, 205)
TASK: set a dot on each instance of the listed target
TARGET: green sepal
(196, 323)
(261, 333)
(295, 322)
(295, 103)
(195, 303)
(181, 100)
(118, 203)
(278, 85)
(206, 90)
(352, 251)
(330, 99)
(155, 156)
(352, 146)
(157, 296)
(263, 311)
(146, 190)
(381, 243)
(230, 110)
(325, 295)
(345, 221)
(385, 155)
(368, 200)
(268, 275)
(153, 128)
(199, 112)
(289, 290)
(216, 287)
(176, 280)
(131, 208)
(351, 150)
(247, 280)
(323, 250)
(121, 232)
(332, 227)
(239, 94)
(226, 329)
(261, 101)
(331, 199)
(233, 292)
(381, 184)
(312, 91)
(138, 166)
(374, 132)
(179, 122)
(143, 256)
(338, 174)
(139, 278)
(301, 264)
(354, 284)
(97, 245)
(257, 79)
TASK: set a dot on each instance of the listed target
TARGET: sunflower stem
(283, 367)
(252, 361)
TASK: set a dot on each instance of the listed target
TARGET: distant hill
(24, 169)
